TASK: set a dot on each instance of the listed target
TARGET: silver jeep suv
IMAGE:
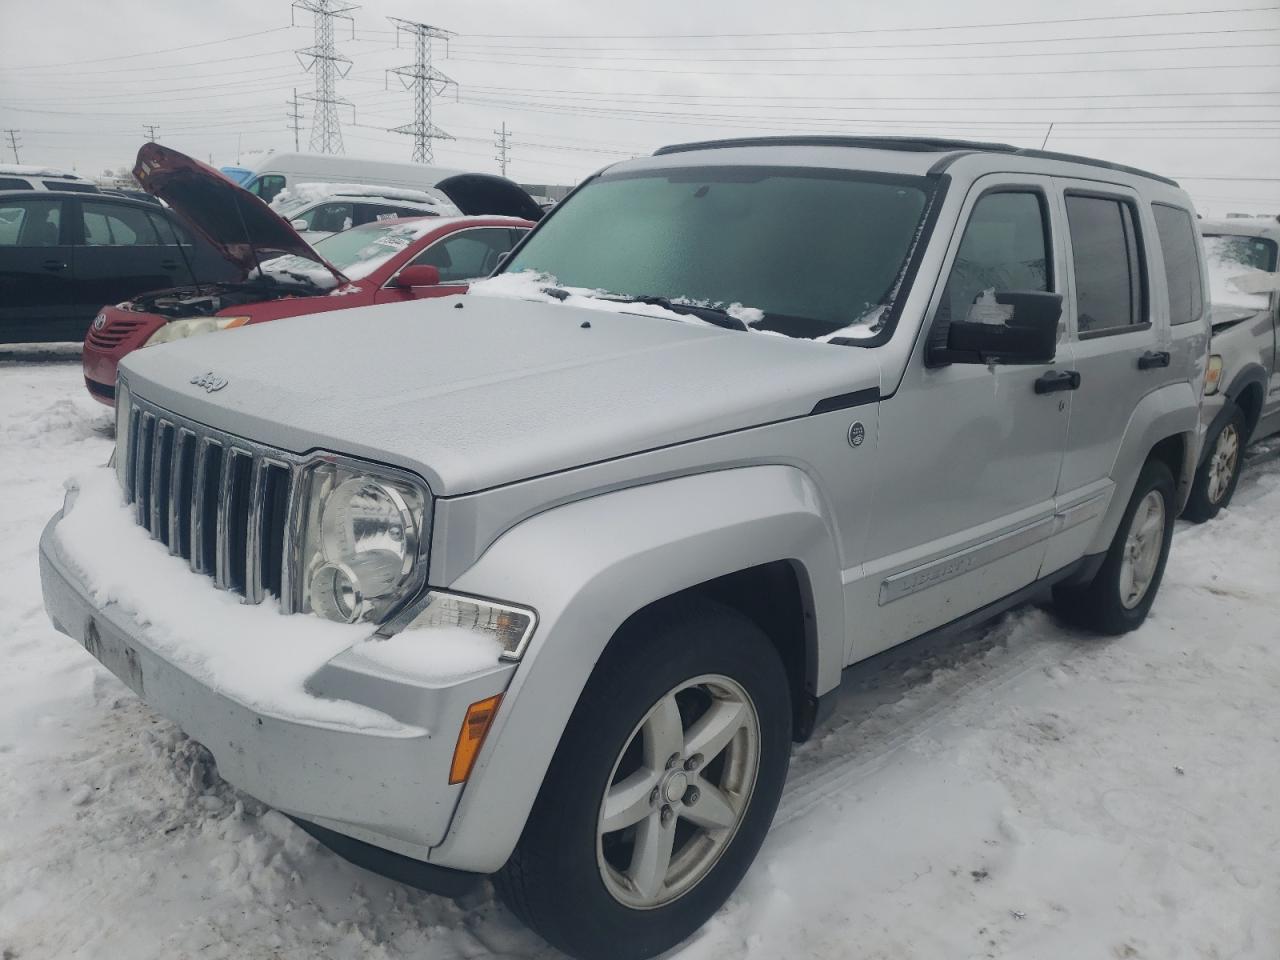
(1242, 387)
(598, 545)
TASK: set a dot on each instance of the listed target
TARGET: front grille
(224, 504)
(115, 332)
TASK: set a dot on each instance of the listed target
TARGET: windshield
(1235, 257)
(809, 253)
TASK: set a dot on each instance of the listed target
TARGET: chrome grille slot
(226, 505)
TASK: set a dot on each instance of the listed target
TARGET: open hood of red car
(240, 226)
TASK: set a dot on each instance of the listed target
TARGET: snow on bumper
(377, 770)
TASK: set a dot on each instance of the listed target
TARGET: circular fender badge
(857, 433)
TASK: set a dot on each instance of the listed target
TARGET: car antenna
(249, 240)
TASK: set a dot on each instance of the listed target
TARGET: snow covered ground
(1030, 792)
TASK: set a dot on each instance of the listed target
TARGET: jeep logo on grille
(210, 381)
(99, 321)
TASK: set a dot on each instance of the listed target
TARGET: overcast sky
(1194, 95)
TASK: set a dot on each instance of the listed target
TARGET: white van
(473, 193)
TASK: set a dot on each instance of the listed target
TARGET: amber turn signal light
(471, 737)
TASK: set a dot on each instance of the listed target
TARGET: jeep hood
(240, 226)
(475, 392)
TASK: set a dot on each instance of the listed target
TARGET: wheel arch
(1247, 390)
(588, 567)
(1164, 426)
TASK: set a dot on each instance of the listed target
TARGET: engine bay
(208, 300)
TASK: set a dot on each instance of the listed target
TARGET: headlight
(364, 540)
(1213, 375)
(511, 627)
(192, 327)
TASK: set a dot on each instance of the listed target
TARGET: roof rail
(959, 148)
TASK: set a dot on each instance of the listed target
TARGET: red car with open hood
(387, 261)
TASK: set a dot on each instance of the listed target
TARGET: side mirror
(417, 275)
(1258, 282)
(1011, 326)
(502, 258)
(299, 225)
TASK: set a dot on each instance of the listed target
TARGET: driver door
(968, 453)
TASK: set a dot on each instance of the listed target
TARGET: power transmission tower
(295, 118)
(426, 82)
(326, 134)
(15, 143)
(151, 129)
(502, 144)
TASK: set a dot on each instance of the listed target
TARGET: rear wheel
(662, 788)
(1120, 595)
(1220, 472)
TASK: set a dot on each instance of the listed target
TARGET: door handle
(54, 265)
(169, 264)
(1153, 358)
(1056, 380)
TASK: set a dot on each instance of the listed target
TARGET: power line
(326, 133)
(295, 119)
(501, 144)
(12, 134)
(148, 53)
(867, 30)
(425, 81)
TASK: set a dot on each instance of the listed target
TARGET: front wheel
(1121, 594)
(1220, 472)
(662, 789)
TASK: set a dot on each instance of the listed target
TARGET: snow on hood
(239, 225)
(476, 391)
(1223, 270)
(296, 197)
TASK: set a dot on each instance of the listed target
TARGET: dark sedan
(64, 254)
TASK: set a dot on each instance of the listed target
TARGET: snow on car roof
(306, 192)
(27, 170)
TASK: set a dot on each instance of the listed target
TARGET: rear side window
(30, 223)
(267, 187)
(1177, 234)
(13, 183)
(1107, 252)
(108, 225)
(170, 233)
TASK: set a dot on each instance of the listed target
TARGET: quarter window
(1177, 234)
(1004, 248)
(106, 225)
(1106, 252)
(30, 223)
(466, 255)
(13, 183)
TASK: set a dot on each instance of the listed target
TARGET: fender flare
(586, 567)
(1253, 373)
(1169, 411)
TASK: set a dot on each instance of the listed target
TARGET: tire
(1108, 604)
(1218, 475)
(571, 882)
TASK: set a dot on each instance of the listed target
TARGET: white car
(21, 176)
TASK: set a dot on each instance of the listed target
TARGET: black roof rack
(956, 149)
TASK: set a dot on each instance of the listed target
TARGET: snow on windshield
(531, 285)
(357, 252)
(1223, 259)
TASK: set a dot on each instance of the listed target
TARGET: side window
(466, 255)
(1005, 247)
(1177, 234)
(30, 223)
(72, 186)
(14, 183)
(108, 225)
(411, 212)
(266, 187)
(1106, 252)
(331, 217)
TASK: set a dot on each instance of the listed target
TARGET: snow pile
(1223, 270)
(249, 653)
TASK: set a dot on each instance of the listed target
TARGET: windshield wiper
(712, 315)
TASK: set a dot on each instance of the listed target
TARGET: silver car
(1242, 389)
(599, 544)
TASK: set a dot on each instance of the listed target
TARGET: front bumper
(383, 787)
